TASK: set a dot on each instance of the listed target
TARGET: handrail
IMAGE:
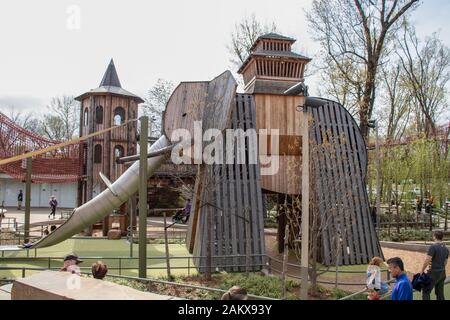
(252, 296)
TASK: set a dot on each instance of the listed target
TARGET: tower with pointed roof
(102, 108)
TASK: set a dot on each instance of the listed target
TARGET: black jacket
(421, 281)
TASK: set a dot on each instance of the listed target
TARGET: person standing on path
(436, 261)
(19, 200)
(53, 203)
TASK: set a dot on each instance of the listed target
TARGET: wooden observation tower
(102, 108)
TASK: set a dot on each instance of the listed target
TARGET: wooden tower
(102, 108)
(270, 70)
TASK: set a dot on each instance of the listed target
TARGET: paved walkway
(36, 214)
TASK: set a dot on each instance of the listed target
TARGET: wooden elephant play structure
(227, 218)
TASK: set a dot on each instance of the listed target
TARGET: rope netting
(57, 166)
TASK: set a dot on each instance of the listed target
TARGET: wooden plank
(343, 187)
(90, 156)
(353, 202)
(240, 198)
(242, 184)
(331, 200)
(52, 285)
(254, 200)
(219, 212)
(370, 236)
(355, 195)
(233, 212)
(226, 211)
(338, 185)
(348, 210)
(320, 177)
(255, 187)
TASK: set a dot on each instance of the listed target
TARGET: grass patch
(92, 249)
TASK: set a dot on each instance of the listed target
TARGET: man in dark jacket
(19, 200)
(436, 261)
(53, 203)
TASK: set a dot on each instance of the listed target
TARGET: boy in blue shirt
(402, 289)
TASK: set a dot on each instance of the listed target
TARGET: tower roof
(110, 78)
(110, 84)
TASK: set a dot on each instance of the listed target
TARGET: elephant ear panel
(208, 101)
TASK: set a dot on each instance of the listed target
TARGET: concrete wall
(65, 193)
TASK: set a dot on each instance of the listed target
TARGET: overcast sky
(43, 52)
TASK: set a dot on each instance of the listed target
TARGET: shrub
(405, 235)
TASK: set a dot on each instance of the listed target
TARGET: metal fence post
(189, 266)
(23, 272)
(120, 266)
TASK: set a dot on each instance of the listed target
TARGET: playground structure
(228, 207)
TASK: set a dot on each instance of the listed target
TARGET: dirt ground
(413, 261)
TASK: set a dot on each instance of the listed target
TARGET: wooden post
(143, 143)
(285, 261)
(166, 240)
(132, 216)
(248, 244)
(27, 201)
(338, 251)
(305, 206)
(209, 240)
(378, 201)
(446, 215)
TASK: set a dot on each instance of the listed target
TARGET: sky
(56, 47)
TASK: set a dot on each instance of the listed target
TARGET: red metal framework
(58, 166)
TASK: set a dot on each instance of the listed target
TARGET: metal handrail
(251, 296)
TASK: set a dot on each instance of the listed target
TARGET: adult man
(53, 203)
(402, 289)
(436, 259)
(19, 200)
(71, 262)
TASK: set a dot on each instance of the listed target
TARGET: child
(373, 281)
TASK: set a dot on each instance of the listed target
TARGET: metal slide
(102, 205)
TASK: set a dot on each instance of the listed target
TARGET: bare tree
(336, 85)
(396, 101)
(155, 103)
(427, 73)
(357, 32)
(244, 35)
(27, 121)
(62, 119)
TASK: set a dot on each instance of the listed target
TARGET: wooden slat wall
(339, 176)
(237, 190)
(281, 112)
